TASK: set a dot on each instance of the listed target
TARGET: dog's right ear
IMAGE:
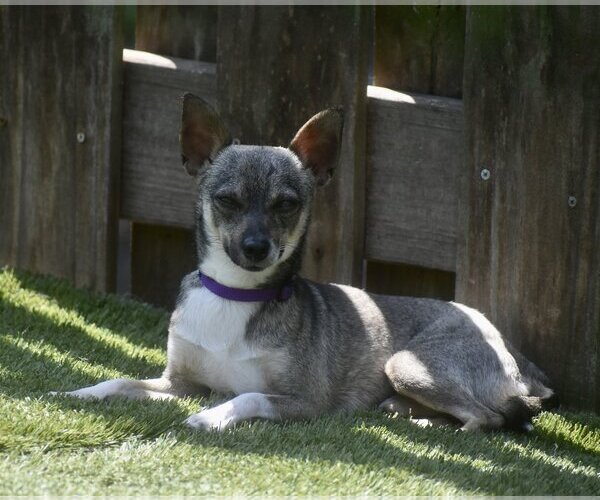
(202, 134)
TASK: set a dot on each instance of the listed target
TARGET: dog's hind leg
(407, 407)
(157, 388)
(411, 378)
(419, 414)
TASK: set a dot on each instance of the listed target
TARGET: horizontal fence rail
(414, 156)
(414, 153)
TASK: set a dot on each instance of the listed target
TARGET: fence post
(276, 67)
(161, 255)
(531, 208)
(60, 76)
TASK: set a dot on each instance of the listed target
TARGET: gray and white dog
(246, 324)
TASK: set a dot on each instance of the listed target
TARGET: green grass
(54, 337)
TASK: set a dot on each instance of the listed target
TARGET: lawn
(53, 337)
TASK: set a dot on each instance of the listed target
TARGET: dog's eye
(227, 202)
(286, 205)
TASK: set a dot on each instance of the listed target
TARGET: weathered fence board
(420, 48)
(414, 152)
(155, 187)
(187, 32)
(531, 259)
(277, 66)
(60, 94)
(163, 256)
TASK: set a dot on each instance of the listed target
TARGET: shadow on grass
(505, 463)
(33, 373)
(66, 338)
(144, 418)
(448, 454)
(137, 322)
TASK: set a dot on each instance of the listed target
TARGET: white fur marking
(295, 236)
(225, 360)
(226, 415)
(211, 322)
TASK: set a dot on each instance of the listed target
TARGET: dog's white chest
(216, 327)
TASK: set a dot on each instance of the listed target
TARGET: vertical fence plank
(532, 116)
(185, 31)
(418, 48)
(277, 66)
(161, 256)
(60, 103)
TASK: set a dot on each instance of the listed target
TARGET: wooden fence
(493, 198)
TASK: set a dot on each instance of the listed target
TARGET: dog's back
(347, 349)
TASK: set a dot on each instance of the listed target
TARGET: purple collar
(247, 295)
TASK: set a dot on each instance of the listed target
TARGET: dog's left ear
(203, 134)
(318, 142)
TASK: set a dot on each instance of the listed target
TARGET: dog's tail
(519, 410)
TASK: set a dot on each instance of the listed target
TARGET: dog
(287, 348)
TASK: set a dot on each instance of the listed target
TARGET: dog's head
(254, 201)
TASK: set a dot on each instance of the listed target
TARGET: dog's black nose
(255, 249)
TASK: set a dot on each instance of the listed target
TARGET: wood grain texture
(155, 187)
(532, 114)
(60, 74)
(186, 31)
(277, 66)
(161, 256)
(414, 155)
(420, 48)
(173, 31)
(402, 279)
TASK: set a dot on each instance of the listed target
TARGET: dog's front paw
(62, 393)
(210, 420)
(81, 394)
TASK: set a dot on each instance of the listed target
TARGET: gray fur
(329, 348)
